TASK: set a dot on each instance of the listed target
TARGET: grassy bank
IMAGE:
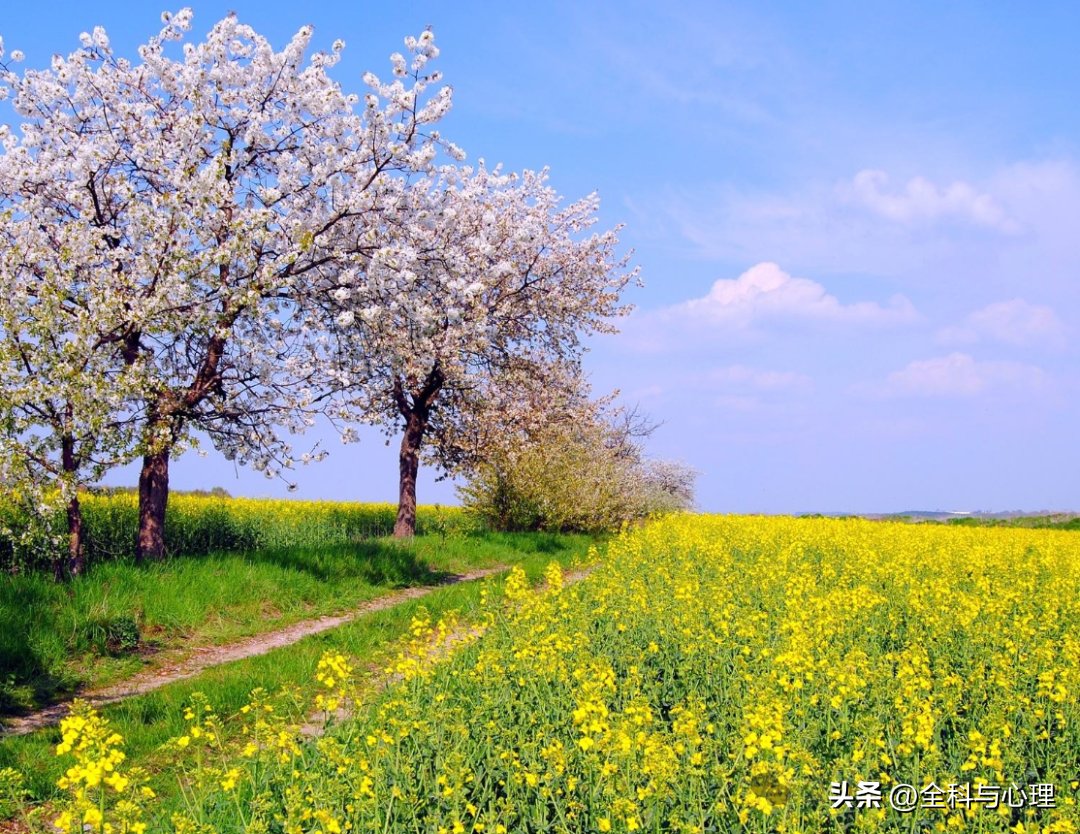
(147, 721)
(112, 622)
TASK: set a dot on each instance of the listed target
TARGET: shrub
(583, 479)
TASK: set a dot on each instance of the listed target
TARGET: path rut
(465, 631)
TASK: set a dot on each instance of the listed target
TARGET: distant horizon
(827, 513)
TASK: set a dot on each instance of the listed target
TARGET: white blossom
(175, 213)
(486, 278)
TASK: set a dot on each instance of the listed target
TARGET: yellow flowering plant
(715, 674)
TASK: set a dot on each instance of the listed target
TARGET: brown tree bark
(76, 556)
(74, 563)
(168, 411)
(416, 409)
(153, 500)
(408, 467)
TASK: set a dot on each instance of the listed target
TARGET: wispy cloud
(960, 375)
(920, 201)
(757, 378)
(877, 223)
(743, 388)
(1015, 322)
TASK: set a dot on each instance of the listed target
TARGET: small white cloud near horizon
(745, 389)
(757, 378)
(648, 393)
(960, 375)
(1014, 322)
(921, 201)
(765, 291)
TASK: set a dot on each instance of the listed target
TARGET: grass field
(150, 720)
(57, 638)
(716, 674)
(237, 567)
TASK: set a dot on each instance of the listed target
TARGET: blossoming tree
(65, 404)
(202, 190)
(482, 278)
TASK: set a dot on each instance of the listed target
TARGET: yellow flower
(229, 782)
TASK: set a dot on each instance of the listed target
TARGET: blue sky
(856, 222)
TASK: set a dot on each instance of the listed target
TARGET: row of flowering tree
(216, 238)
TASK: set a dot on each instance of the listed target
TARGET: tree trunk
(74, 564)
(408, 466)
(76, 559)
(153, 498)
(59, 569)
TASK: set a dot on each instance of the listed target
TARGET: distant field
(1034, 521)
(715, 674)
(199, 524)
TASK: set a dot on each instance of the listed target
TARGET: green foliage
(117, 636)
(588, 480)
(1033, 522)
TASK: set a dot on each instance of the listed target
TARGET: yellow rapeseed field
(199, 524)
(714, 674)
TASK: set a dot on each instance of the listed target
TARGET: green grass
(57, 639)
(147, 721)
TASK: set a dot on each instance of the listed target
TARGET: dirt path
(465, 632)
(180, 666)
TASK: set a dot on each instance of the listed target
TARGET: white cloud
(757, 378)
(746, 389)
(1011, 322)
(765, 292)
(737, 403)
(922, 202)
(959, 375)
(1016, 224)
